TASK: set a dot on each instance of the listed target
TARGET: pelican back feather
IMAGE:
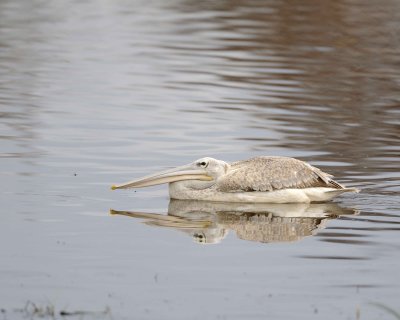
(273, 173)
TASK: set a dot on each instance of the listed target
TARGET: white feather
(306, 195)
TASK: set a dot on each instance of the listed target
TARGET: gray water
(100, 92)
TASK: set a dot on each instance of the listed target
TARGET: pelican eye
(203, 164)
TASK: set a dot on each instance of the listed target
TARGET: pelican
(265, 179)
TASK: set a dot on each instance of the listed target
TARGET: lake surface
(99, 92)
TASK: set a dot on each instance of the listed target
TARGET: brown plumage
(273, 173)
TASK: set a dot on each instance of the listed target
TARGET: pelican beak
(187, 172)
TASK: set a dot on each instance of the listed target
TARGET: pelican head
(200, 174)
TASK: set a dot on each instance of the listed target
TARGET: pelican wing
(273, 173)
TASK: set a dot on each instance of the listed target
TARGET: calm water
(98, 92)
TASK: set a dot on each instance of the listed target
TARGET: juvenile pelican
(260, 179)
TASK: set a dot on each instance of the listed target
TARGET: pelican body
(256, 180)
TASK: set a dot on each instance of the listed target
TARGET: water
(98, 92)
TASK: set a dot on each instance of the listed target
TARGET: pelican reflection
(210, 222)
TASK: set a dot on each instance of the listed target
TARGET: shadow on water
(210, 222)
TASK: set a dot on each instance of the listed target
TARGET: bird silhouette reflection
(210, 222)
